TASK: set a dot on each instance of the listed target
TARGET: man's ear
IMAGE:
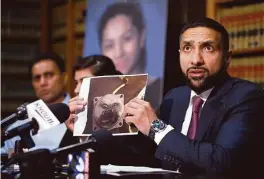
(142, 38)
(228, 58)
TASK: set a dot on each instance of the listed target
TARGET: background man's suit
(229, 129)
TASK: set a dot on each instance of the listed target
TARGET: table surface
(135, 176)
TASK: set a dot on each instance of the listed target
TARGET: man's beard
(205, 82)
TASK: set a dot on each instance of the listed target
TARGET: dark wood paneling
(179, 13)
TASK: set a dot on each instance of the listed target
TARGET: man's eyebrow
(209, 42)
(206, 42)
(82, 78)
(48, 72)
(188, 42)
(36, 76)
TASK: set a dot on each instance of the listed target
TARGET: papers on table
(132, 170)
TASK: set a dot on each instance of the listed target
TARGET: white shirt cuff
(159, 136)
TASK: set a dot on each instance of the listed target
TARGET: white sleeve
(159, 136)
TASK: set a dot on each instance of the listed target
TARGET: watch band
(156, 127)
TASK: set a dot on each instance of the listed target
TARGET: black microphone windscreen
(61, 111)
(99, 141)
(102, 136)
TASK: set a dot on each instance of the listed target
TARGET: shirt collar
(204, 95)
(66, 99)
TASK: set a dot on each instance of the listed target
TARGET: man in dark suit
(212, 125)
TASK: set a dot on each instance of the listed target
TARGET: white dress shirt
(185, 126)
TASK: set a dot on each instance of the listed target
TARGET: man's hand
(140, 113)
(70, 122)
(76, 105)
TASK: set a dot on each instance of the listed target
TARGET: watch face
(158, 125)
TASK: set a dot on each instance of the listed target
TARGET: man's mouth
(196, 73)
(44, 92)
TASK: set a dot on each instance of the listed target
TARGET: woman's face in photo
(122, 42)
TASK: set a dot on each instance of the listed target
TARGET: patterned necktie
(197, 103)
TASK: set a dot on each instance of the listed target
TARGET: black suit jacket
(229, 130)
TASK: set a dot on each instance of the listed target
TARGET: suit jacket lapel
(212, 107)
(179, 109)
(209, 110)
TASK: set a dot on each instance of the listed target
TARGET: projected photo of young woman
(122, 35)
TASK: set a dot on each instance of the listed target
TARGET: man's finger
(72, 117)
(80, 102)
(76, 108)
(129, 111)
(140, 101)
(130, 119)
(133, 105)
(75, 98)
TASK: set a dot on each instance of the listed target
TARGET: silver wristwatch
(156, 127)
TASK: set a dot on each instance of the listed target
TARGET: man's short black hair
(47, 55)
(212, 24)
(100, 65)
(129, 9)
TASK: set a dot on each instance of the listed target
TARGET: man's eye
(75, 83)
(208, 48)
(36, 78)
(186, 48)
(48, 75)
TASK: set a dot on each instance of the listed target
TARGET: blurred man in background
(47, 72)
(93, 65)
(49, 78)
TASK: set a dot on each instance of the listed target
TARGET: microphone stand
(94, 165)
(25, 136)
(34, 164)
(39, 163)
(24, 131)
(2, 138)
(19, 115)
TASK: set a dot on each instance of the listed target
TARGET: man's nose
(77, 89)
(197, 58)
(42, 81)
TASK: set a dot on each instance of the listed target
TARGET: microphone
(21, 114)
(44, 116)
(98, 140)
(60, 110)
